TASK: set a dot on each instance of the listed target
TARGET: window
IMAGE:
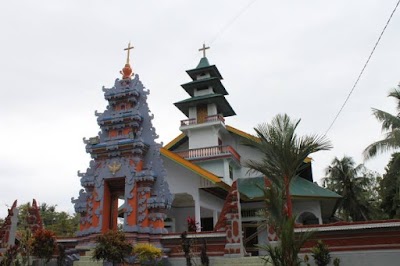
(230, 172)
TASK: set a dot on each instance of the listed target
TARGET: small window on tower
(230, 172)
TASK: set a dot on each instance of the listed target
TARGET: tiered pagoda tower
(126, 166)
(206, 107)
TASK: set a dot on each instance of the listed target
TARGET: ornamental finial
(127, 70)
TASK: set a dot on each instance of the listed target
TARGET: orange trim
(191, 166)
(241, 133)
(251, 137)
(174, 141)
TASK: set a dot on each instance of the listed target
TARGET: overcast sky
(294, 57)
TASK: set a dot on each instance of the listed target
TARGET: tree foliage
(356, 185)
(283, 155)
(112, 246)
(43, 244)
(289, 245)
(61, 223)
(390, 186)
(390, 127)
(283, 151)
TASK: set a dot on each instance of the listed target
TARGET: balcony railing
(210, 118)
(209, 152)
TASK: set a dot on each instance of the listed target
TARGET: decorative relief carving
(114, 167)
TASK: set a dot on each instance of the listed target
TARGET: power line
(362, 70)
(230, 22)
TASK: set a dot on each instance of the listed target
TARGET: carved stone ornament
(114, 167)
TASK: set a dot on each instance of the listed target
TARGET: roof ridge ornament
(204, 48)
(127, 71)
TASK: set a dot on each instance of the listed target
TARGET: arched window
(307, 218)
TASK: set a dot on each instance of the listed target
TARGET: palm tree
(286, 252)
(283, 152)
(351, 182)
(391, 127)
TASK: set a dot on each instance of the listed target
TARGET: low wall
(215, 242)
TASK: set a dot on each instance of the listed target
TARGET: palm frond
(389, 121)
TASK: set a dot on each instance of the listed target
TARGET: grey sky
(297, 57)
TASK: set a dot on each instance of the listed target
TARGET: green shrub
(320, 253)
(147, 252)
(43, 244)
(112, 246)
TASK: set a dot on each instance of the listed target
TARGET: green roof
(203, 63)
(299, 188)
(223, 106)
(202, 68)
(214, 82)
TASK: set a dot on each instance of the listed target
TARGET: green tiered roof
(204, 66)
(223, 107)
(201, 81)
(204, 83)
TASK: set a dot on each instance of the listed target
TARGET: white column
(215, 217)
(197, 213)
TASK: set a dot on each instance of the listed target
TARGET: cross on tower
(204, 49)
(128, 49)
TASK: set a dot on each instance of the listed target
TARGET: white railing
(209, 152)
(210, 118)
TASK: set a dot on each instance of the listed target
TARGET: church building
(150, 191)
(208, 156)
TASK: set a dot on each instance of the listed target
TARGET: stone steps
(222, 261)
(87, 261)
(248, 261)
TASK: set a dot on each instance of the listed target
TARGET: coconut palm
(283, 152)
(351, 182)
(391, 127)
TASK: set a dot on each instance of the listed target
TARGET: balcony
(208, 119)
(210, 153)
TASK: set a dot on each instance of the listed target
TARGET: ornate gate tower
(126, 167)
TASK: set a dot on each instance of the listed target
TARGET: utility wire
(362, 70)
(230, 22)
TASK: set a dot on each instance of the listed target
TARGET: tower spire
(127, 71)
(204, 48)
(128, 50)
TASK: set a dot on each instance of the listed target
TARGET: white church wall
(210, 201)
(192, 112)
(180, 179)
(246, 153)
(203, 137)
(183, 147)
(213, 166)
(180, 216)
(212, 109)
(313, 206)
(202, 92)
